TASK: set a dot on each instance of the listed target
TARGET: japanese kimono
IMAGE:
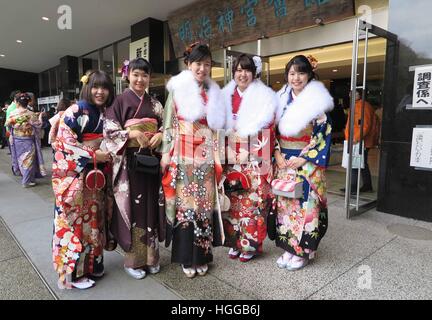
(189, 183)
(135, 224)
(79, 237)
(25, 145)
(251, 138)
(304, 131)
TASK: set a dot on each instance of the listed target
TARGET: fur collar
(257, 109)
(190, 104)
(313, 102)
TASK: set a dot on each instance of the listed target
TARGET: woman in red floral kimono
(251, 137)
(193, 110)
(79, 238)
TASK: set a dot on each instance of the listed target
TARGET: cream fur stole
(190, 104)
(312, 103)
(257, 109)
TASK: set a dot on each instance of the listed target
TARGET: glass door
(359, 195)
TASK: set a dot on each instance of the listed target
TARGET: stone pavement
(373, 256)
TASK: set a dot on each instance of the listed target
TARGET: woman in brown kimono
(134, 123)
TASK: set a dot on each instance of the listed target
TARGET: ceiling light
(45, 18)
(2, 55)
(335, 70)
(19, 41)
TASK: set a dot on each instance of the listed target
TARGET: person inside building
(304, 141)
(251, 134)
(78, 180)
(193, 111)
(24, 128)
(134, 124)
(371, 131)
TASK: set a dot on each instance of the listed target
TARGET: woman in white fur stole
(193, 111)
(304, 140)
(251, 137)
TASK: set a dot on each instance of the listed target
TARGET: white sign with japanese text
(422, 92)
(140, 49)
(421, 148)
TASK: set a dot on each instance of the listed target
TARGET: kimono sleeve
(318, 151)
(168, 126)
(115, 135)
(70, 130)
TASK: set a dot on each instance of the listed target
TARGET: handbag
(288, 187)
(357, 159)
(144, 163)
(236, 181)
(95, 179)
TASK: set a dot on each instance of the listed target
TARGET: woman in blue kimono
(303, 145)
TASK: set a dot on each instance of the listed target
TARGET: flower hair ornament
(84, 79)
(313, 61)
(125, 69)
(258, 64)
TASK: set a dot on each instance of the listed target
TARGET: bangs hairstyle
(97, 79)
(246, 62)
(301, 64)
(197, 53)
(140, 64)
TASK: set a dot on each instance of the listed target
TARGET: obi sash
(147, 125)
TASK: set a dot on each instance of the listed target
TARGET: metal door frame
(377, 31)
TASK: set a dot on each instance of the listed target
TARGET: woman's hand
(295, 162)
(102, 156)
(140, 137)
(155, 141)
(280, 160)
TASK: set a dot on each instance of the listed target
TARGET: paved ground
(373, 256)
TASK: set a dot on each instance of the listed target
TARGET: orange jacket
(369, 128)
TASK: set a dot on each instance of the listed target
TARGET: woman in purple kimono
(133, 123)
(24, 126)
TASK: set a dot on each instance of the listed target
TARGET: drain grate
(410, 232)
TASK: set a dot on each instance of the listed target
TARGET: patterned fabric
(136, 222)
(26, 153)
(245, 222)
(190, 186)
(79, 212)
(301, 223)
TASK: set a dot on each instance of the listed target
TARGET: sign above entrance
(229, 22)
(140, 49)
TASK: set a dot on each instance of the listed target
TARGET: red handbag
(95, 179)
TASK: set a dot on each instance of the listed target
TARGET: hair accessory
(125, 69)
(84, 79)
(190, 47)
(313, 61)
(258, 64)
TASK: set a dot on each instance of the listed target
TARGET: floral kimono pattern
(301, 223)
(189, 185)
(26, 153)
(136, 223)
(78, 238)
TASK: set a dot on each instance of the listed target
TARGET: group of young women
(219, 152)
